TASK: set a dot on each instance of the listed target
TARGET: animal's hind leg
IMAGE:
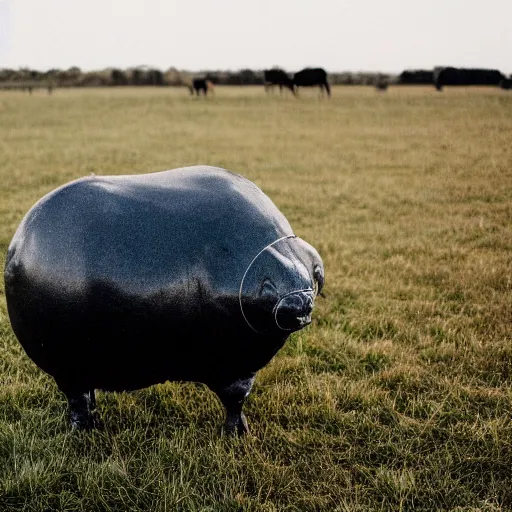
(232, 396)
(81, 405)
(92, 394)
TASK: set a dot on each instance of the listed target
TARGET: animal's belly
(128, 359)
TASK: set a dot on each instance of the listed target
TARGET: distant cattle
(311, 77)
(462, 76)
(416, 77)
(506, 83)
(276, 76)
(200, 84)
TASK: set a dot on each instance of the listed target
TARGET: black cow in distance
(276, 76)
(465, 76)
(311, 77)
(201, 84)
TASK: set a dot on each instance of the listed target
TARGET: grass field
(397, 397)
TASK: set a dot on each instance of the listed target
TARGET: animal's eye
(268, 289)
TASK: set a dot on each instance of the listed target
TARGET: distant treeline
(143, 75)
(75, 77)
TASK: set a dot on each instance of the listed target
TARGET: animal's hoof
(236, 428)
(82, 423)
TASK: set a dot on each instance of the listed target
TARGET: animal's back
(310, 76)
(138, 228)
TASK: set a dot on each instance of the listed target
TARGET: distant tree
(173, 77)
(138, 77)
(247, 77)
(22, 74)
(154, 77)
(95, 79)
(52, 72)
(346, 79)
(118, 77)
(212, 77)
(7, 74)
(74, 73)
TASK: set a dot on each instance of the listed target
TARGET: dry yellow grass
(398, 397)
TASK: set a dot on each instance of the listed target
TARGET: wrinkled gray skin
(121, 282)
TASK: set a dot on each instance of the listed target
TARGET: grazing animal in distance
(193, 274)
(506, 83)
(201, 84)
(311, 77)
(466, 76)
(277, 77)
(416, 77)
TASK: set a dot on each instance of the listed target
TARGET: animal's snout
(293, 311)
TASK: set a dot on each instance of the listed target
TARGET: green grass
(397, 397)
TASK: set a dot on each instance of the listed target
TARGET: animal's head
(291, 86)
(278, 290)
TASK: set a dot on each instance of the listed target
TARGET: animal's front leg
(232, 396)
(81, 405)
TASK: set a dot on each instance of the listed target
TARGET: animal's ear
(318, 275)
(268, 289)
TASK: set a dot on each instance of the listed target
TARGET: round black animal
(193, 274)
(311, 77)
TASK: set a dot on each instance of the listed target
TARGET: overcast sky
(340, 35)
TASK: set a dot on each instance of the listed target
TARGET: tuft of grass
(398, 397)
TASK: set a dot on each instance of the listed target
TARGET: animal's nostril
(293, 312)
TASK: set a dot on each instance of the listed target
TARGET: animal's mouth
(293, 311)
(304, 320)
